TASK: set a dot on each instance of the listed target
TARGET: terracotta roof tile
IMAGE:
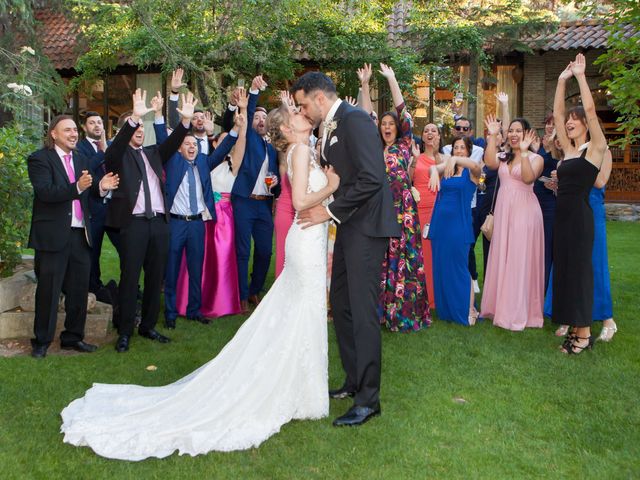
(576, 35)
(58, 35)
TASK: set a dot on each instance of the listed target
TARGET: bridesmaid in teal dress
(451, 234)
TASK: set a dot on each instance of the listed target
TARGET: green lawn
(528, 411)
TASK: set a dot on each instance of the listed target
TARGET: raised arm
(238, 151)
(172, 144)
(505, 116)
(559, 108)
(300, 198)
(598, 143)
(159, 127)
(605, 170)
(364, 75)
(491, 150)
(531, 164)
(388, 73)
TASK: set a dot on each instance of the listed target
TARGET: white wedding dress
(273, 370)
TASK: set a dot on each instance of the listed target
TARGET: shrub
(15, 194)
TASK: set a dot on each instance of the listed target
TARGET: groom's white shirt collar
(330, 114)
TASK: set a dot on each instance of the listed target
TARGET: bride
(273, 370)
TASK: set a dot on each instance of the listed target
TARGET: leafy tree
(621, 61)
(234, 38)
(476, 30)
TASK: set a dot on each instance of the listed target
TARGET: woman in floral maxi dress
(403, 304)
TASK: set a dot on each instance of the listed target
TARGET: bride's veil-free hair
(275, 119)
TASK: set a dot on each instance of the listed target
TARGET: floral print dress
(403, 304)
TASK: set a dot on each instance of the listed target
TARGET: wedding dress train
(272, 371)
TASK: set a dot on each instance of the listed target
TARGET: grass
(528, 411)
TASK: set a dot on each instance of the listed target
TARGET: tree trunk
(474, 67)
(202, 91)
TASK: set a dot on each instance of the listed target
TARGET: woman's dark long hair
(468, 144)
(508, 156)
(440, 144)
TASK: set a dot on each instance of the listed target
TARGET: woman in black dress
(574, 229)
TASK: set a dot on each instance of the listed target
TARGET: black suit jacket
(363, 198)
(53, 199)
(120, 159)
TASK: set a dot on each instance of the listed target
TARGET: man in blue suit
(93, 147)
(189, 200)
(252, 201)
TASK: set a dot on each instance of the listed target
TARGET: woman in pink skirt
(513, 292)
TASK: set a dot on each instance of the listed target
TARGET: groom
(366, 218)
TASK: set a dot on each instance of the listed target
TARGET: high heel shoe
(607, 333)
(562, 330)
(473, 316)
(575, 349)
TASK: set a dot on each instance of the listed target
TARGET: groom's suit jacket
(363, 198)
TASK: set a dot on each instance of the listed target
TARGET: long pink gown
(283, 220)
(513, 293)
(220, 294)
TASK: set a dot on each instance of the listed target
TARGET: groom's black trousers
(355, 287)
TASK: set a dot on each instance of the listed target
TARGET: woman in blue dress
(451, 234)
(602, 302)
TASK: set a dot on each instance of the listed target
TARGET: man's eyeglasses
(460, 128)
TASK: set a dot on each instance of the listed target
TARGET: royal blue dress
(451, 235)
(602, 302)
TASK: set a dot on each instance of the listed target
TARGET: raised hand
(84, 181)
(243, 98)
(189, 103)
(527, 140)
(140, 108)
(492, 124)
(434, 180)
(535, 144)
(233, 96)
(287, 100)
(258, 83)
(109, 182)
(157, 103)
(386, 71)
(208, 123)
(240, 121)
(502, 97)
(351, 101)
(176, 80)
(332, 178)
(579, 65)
(415, 150)
(364, 74)
(567, 73)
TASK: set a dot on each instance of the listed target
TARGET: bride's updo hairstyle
(276, 118)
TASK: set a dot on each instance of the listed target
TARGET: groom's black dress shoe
(122, 345)
(154, 335)
(356, 415)
(341, 393)
(170, 323)
(39, 351)
(79, 346)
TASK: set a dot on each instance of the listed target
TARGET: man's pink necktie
(77, 208)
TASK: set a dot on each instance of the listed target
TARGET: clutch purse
(487, 225)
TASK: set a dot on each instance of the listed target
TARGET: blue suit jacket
(96, 161)
(254, 157)
(176, 168)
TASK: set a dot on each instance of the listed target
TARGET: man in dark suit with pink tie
(60, 235)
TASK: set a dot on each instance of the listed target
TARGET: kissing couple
(275, 368)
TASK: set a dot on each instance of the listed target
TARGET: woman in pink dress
(514, 283)
(431, 141)
(283, 217)
(284, 211)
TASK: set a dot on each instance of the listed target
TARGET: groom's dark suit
(363, 206)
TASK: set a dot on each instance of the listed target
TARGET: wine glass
(268, 180)
(482, 186)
